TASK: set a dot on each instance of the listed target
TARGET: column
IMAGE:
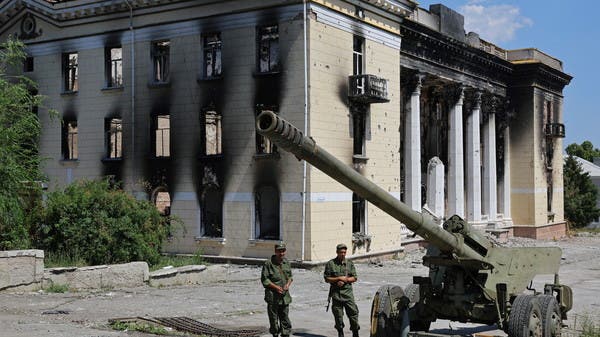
(505, 188)
(490, 197)
(412, 146)
(473, 154)
(456, 182)
(435, 187)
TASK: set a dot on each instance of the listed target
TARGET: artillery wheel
(551, 316)
(383, 324)
(525, 319)
(413, 294)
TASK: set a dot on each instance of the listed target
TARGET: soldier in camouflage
(276, 278)
(340, 274)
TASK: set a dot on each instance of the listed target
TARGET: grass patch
(585, 230)
(589, 329)
(57, 288)
(178, 260)
(54, 260)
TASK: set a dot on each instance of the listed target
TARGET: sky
(566, 30)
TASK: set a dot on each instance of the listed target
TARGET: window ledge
(263, 242)
(159, 84)
(109, 89)
(161, 158)
(209, 78)
(69, 162)
(68, 93)
(210, 239)
(211, 157)
(267, 156)
(266, 73)
(112, 160)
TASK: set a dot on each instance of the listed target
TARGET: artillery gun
(471, 279)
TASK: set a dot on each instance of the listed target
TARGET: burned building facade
(162, 96)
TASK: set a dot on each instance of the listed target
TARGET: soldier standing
(276, 277)
(340, 274)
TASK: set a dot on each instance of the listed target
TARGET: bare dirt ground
(231, 297)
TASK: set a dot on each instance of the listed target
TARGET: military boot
(354, 333)
(340, 333)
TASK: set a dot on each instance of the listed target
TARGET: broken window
(357, 55)
(212, 212)
(160, 61)
(267, 213)
(70, 140)
(212, 55)
(263, 145)
(162, 134)
(114, 67)
(162, 200)
(359, 132)
(212, 132)
(268, 49)
(359, 207)
(28, 64)
(70, 64)
(114, 137)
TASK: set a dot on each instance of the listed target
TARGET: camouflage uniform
(277, 304)
(342, 297)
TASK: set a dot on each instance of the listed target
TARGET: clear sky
(567, 30)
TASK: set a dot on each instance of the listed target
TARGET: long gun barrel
(289, 138)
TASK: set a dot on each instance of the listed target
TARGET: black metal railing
(367, 89)
(555, 130)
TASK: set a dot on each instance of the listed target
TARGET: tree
(580, 194)
(586, 150)
(19, 136)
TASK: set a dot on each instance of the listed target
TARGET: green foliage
(136, 326)
(586, 150)
(60, 259)
(57, 288)
(99, 224)
(19, 159)
(580, 194)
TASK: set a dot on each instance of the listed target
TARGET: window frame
(156, 55)
(216, 51)
(109, 67)
(204, 134)
(70, 139)
(70, 72)
(271, 43)
(358, 56)
(118, 134)
(155, 138)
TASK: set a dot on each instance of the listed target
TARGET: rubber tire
(551, 316)
(381, 324)
(413, 294)
(525, 319)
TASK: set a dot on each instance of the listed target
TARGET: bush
(99, 224)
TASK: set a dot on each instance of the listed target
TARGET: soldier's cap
(280, 246)
(341, 246)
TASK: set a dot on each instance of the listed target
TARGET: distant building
(593, 169)
(162, 96)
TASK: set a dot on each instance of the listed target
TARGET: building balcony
(367, 89)
(555, 130)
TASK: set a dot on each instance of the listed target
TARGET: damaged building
(162, 95)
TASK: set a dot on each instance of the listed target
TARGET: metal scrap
(186, 324)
